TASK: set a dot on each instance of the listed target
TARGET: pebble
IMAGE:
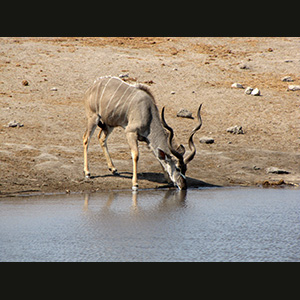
(293, 87)
(184, 113)
(287, 79)
(237, 85)
(124, 75)
(248, 90)
(206, 140)
(54, 89)
(25, 82)
(235, 129)
(244, 67)
(172, 93)
(15, 124)
(255, 92)
(276, 170)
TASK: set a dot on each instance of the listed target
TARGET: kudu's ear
(181, 149)
(161, 154)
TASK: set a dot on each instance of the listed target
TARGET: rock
(235, 130)
(206, 140)
(124, 75)
(149, 82)
(54, 89)
(14, 124)
(184, 113)
(255, 92)
(244, 67)
(248, 90)
(293, 87)
(237, 86)
(25, 82)
(267, 183)
(275, 170)
(174, 51)
(172, 93)
(287, 79)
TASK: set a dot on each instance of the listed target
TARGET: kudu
(111, 102)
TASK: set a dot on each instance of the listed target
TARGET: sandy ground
(46, 154)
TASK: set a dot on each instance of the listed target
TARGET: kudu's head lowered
(177, 170)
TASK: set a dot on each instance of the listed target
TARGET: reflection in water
(171, 199)
(134, 230)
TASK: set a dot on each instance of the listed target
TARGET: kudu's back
(117, 102)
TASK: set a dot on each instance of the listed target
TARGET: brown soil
(46, 156)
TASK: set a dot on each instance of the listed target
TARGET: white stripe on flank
(125, 116)
(95, 100)
(113, 95)
(121, 110)
(103, 93)
(116, 106)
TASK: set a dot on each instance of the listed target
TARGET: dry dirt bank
(45, 155)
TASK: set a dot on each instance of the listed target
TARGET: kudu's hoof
(135, 188)
(114, 172)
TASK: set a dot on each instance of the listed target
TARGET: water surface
(212, 224)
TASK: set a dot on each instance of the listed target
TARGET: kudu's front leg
(132, 139)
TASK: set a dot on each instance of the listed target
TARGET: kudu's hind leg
(102, 137)
(92, 124)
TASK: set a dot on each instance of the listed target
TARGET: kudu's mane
(145, 89)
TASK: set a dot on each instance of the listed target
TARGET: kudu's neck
(157, 137)
(158, 142)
